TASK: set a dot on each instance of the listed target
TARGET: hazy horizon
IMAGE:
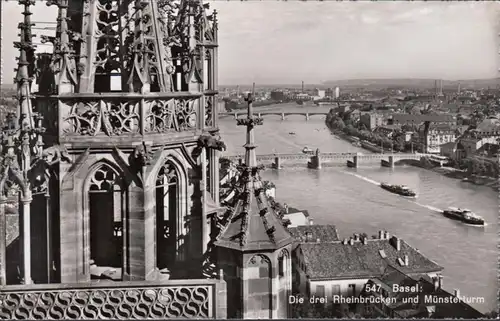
(317, 42)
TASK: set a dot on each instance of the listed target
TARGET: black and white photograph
(166, 159)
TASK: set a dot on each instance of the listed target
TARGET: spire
(25, 69)
(250, 122)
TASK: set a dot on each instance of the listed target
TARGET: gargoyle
(55, 154)
(142, 156)
(210, 142)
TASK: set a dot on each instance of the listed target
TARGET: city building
(278, 95)
(472, 145)
(427, 299)
(372, 120)
(328, 267)
(432, 136)
(453, 150)
(318, 93)
(296, 217)
(337, 93)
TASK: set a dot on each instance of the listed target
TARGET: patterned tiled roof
(405, 308)
(336, 260)
(325, 233)
(253, 224)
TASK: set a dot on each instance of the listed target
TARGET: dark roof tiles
(253, 224)
(325, 233)
(336, 260)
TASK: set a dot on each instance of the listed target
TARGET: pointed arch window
(168, 225)
(107, 211)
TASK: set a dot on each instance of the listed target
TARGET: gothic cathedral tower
(121, 156)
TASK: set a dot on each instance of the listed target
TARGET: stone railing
(205, 299)
(125, 114)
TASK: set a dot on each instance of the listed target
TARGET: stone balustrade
(94, 116)
(204, 299)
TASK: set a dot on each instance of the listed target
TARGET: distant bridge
(281, 114)
(330, 159)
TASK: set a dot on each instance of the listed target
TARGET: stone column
(391, 161)
(277, 162)
(3, 243)
(214, 175)
(138, 240)
(205, 232)
(25, 233)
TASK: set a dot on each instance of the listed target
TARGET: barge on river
(399, 189)
(464, 215)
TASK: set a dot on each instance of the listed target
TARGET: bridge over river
(318, 160)
(283, 115)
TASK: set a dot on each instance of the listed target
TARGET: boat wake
(364, 178)
(430, 207)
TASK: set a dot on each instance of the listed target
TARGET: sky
(276, 42)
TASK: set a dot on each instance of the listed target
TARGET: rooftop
(394, 276)
(336, 260)
(324, 233)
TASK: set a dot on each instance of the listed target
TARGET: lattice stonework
(209, 111)
(124, 303)
(123, 117)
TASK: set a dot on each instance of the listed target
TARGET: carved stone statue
(142, 156)
(209, 142)
(56, 154)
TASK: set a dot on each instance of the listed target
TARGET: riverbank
(450, 172)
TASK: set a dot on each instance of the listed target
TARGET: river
(350, 199)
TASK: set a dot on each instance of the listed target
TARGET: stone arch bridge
(312, 160)
(283, 115)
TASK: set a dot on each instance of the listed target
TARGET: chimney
(396, 243)
(365, 240)
(351, 241)
(440, 281)
(406, 260)
(356, 237)
(435, 281)
(456, 292)
(386, 236)
(381, 235)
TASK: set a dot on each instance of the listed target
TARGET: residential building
(278, 95)
(433, 136)
(408, 119)
(318, 93)
(328, 268)
(453, 150)
(387, 130)
(427, 300)
(471, 145)
(296, 217)
(372, 120)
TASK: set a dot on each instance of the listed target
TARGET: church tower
(115, 158)
(254, 247)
